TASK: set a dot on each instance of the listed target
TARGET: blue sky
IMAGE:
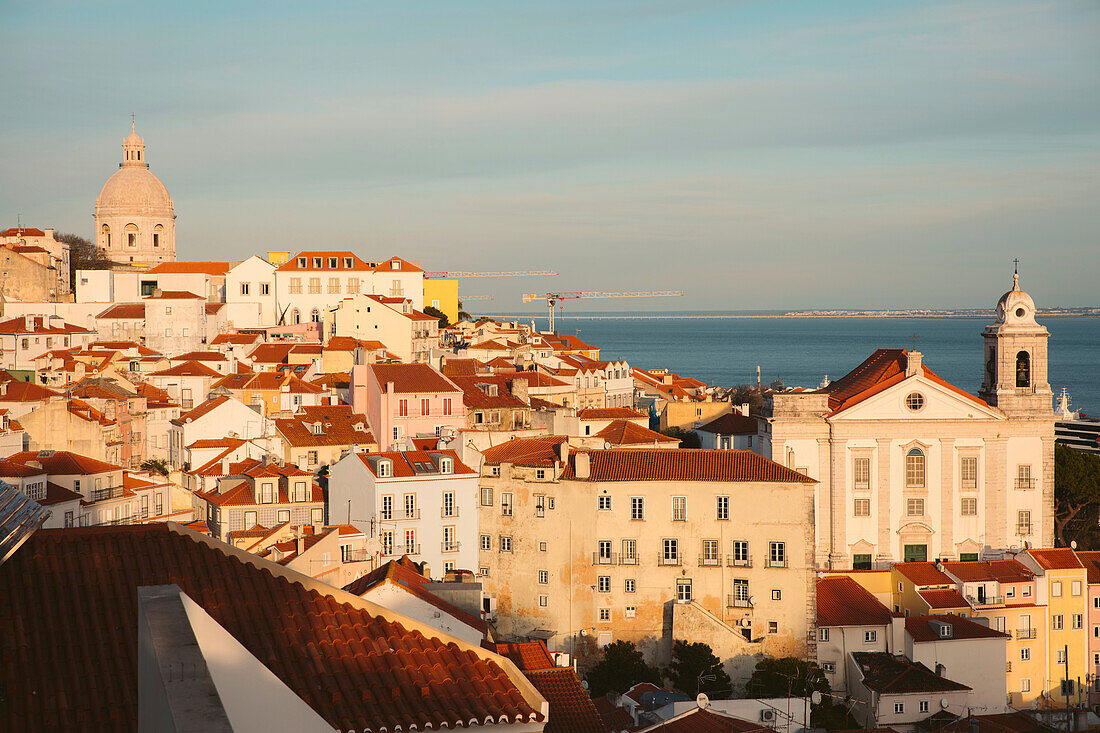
(755, 155)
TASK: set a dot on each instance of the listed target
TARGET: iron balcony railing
(735, 602)
(1025, 483)
(452, 546)
(408, 514)
(1025, 633)
(669, 558)
(600, 558)
(448, 512)
(710, 561)
(628, 559)
(355, 556)
(986, 601)
(111, 492)
(771, 562)
(739, 562)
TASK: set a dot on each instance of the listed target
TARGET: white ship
(1074, 429)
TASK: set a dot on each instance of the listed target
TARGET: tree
(436, 313)
(83, 255)
(462, 314)
(687, 438)
(155, 465)
(799, 678)
(1076, 489)
(748, 393)
(621, 667)
(696, 669)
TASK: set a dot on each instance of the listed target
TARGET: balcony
(706, 561)
(540, 511)
(628, 559)
(739, 562)
(187, 404)
(1008, 666)
(735, 602)
(355, 556)
(448, 512)
(1025, 633)
(771, 562)
(986, 601)
(408, 514)
(602, 558)
(450, 546)
(669, 558)
(1025, 483)
(1024, 530)
(111, 492)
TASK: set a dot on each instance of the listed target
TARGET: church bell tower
(1016, 358)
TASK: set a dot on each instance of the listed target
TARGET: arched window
(315, 316)
(1023, 369)
(131, 235)
(295, 316)
(157, 230)
(914, 469)
(106, 230)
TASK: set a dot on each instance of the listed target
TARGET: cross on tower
(1016, 266)
(914, 337)
(133, 122)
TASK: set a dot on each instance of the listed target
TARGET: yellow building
(443, 296)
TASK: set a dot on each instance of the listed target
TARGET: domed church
(135, 221)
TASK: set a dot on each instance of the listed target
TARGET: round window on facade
(914, 401)
(1020, 312)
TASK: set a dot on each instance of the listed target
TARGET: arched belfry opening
(1023, 369)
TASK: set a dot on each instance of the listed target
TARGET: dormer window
(317, 263)
(395, 264)
(301, 262)
(385, 468)
(348, 263)
(300, 491)
(267, 493)
(446, 465)
(315, 428)
(945, 631)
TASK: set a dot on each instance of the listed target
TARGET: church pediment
(920, 398)
(916, 528)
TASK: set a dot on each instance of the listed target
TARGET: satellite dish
(943, 703)
(746, 622)
(702, 700)
(584, 684)
(816, 697)
(584, 633)
(1073, 544)
(752, 600)
(607, 444)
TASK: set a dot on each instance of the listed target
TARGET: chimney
(300, 540)
(225, 467)
(914, 368)
(49, 234)
(28, 322)
(583, 466)
(563, 451)
(157, 292)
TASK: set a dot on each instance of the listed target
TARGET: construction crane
(553, 298)
(471, 298)
(514, 273)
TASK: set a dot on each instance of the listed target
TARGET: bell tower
(1016, 358)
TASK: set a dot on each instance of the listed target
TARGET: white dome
(1016, 306)
(134, 191)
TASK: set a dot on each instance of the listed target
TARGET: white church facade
(911, 467)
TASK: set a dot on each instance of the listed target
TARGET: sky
(755, 155)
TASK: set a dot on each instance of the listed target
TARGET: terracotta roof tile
(541, 451)
(338, 426)
(174, 295)
(698, 720)
(357, 670)
(476, 392)
(405, 463)
(920, 628)
(129, 311)
(842, 601)
(404, 266)
(1059, 558)
(413, 378)
(186, 369)
(938, 598)
(186, 268)
(39, 324)
(1003, 571)
(732, 423)
(324, 255)
(923, 573)
(624, 432)
(64, 463)
(201, 410)
(682, 464)
(885, 673)
(22, 232)
(609, 413)
(16, 390)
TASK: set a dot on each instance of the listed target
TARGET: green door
(915, 553)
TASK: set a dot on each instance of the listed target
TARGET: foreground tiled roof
(1060, 558)
(732, 423)
(63, 462)
(921, 628)
(923, 573)
(412, 378)
(842, 601)
(684, 464)
(1003, 571)
(541, 451)
(609, 413)
(937, 598)
(885, 673)
(69, 637)
(571, 708)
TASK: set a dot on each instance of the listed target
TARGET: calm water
(802, 351)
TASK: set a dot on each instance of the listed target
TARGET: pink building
(1091, 561)
(406, 401)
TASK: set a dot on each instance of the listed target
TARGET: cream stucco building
(135, 220)
(914, 468)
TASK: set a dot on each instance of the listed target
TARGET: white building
(220, 417)
(250, 289)
(25, 338)
(407, 332)
(416, 503)
(912, 467)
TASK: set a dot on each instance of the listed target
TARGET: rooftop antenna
(914, 336)
(133, 122)
(19, 224)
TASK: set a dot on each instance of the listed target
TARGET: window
(603, 554)
(540, 474)
(861, 561)
(968, 472)
(870, 637)
(446, 406)
(315, 286)
(899, 708)
(1010, 591)
(922, 706)
(605, 614)
(722, 508)
(914, 507)
(741, 553)
(822, 634)
(1056, 622)
(914, 401)
(741, 592)
(505, 543)
(630, 612)
(637, 507)
(630, 586)
(384, 468)
(267, 493)
(1025, 654)
(317, 516)
(777, 554)
(679, 509)
(425, 407)
(862, 508)
(603, 503)
(1023, 522)
(486, 496)
(449, 504)
(1075, 588)
(1077, 621)
(1025, 685)
(630, 552)
(861, 473)
(710, 553)
(777, 595)
(683, 590)
(265, 288)
(828, 667)
(1023, 368)
(410, 506)
(1023, 477)
(603, 584)
(402, 408)
(249, 519)
(670, 550)
(914, 469)
(773, 627)
(544, 601)
(505, 504)
(1060, 657)
(544, 577)
(486, 542)
(244, 288)
(542, 546)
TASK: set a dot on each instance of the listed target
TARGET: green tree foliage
(83, 255)
(1076, 493)
(436, 313)
(749, 393)
(695, 669)
(687, 438)
(620, 667)
(799, 678)
(155, 465)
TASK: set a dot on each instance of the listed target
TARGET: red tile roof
(937, 598)
(886, 674)
(16, 390)
(357, 670)
(339, 426)
(340, 255)
(241, 493)
(186, 268)
(842, 601)
(22, 232)
(201, 410)
(174, 295)
(404, 574)
(609, 413)
(236, 338)
(923, 573)
(698, 720)
(683, 464)
(130, 311)
(39, 324)
(475, 392)
(1091, 560)
(1003, 571)
(1060, 558)
(404, 462)
(200, 356)
(623, 432)
(920, 628)
(542, 451)
(572, 710)
(404, 266)
(64, 463)
(733, 423)
(412, 379)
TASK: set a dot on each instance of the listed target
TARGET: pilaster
(825, 504)
(1046, 522)
(885, 536)
(997, 521)
(947, 497)
(838, 458)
